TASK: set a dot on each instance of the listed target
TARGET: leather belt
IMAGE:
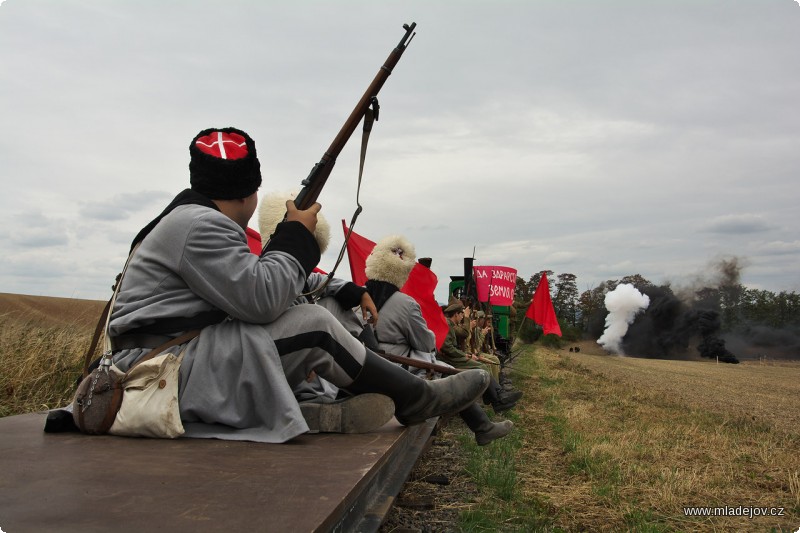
(129, 342)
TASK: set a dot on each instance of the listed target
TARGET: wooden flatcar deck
(71, 482)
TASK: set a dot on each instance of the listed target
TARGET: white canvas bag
(150, 400)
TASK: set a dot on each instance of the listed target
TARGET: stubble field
(42, 342)
(618, 443)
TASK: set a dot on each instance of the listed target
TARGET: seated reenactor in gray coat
(402, 330)
(194, 269)
(336, 295)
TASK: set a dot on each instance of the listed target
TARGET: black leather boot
(416, 399)
(499, 399)
(484, 429)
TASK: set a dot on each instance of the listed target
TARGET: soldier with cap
(455, 349)
(193, 269)
(480, 347)
(495, 395)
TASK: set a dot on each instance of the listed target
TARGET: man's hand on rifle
(307, 217)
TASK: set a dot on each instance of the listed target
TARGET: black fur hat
(223, 164)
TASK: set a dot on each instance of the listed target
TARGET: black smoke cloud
(671, 328)
(689, 324)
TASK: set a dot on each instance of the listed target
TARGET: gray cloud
(781, 248)
(737, 224)
(42, 237)
(121, 206)
(602, 139)
(32, 229)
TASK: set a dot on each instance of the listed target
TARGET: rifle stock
(313, 184)
(418, 364)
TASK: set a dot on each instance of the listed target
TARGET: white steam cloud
(623, 303)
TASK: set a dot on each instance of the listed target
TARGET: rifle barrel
(313, 184)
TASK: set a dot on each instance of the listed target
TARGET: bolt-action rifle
(313, 184)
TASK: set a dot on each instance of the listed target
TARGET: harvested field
(617, 443)
(47, 311)
(42, 344)
(766, 393)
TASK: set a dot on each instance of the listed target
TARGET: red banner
(495, 284)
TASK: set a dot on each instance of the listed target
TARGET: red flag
(253, 240)
(420, 285)
(255, 244)
(358, 249)
(541, 309)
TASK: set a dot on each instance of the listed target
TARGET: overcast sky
(601, 138)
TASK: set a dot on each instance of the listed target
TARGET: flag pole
(488, 310)
(529, 306)
(522, 323)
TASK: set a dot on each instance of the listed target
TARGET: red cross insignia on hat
(223, 145)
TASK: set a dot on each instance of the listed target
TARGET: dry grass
(625, 444)
(43, 341)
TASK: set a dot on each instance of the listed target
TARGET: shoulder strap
(186, 337)
(98, 330)
(102, 324)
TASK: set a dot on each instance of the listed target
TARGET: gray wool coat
(401, 330)
(232, 383)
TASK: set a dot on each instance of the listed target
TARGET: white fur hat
(272, 211)
(391, 260)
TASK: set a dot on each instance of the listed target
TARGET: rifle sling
(369, 118)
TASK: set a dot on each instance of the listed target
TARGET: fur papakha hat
(391, 260)
(272, 209)
(223, 164)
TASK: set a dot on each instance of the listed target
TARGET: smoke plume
(685, 321)
(672, 328)
(623, 303)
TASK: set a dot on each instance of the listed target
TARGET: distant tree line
(582, 314)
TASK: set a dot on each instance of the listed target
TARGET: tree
(523, 294)
(639, 282)
(565, 299)
(592, 308)
(524, 291)
(536, 278)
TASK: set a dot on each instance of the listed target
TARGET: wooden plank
(71, 482)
